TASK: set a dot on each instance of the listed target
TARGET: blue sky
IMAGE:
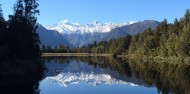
(86, 11)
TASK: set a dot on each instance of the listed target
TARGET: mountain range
(76, 35)
(66, 27)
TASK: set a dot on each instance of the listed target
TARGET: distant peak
(64, 21)
(132, 22)
(148, 21)
(96, 22)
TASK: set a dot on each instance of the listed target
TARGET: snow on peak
(64, 21)
(66, 27)
(132, 22)
(96, 22)
(65, 79)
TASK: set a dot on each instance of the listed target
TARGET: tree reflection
(167, 77)
(20, 77)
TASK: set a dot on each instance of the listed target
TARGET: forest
(166, 40)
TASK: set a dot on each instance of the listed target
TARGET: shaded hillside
(52, 38)
(130, 29)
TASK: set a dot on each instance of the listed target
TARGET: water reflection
(121, 76)
(97, 75)
(75, 72)
(167, 77)
(93, 75)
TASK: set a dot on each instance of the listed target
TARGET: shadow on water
(20, 77)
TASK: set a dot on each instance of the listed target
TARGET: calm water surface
(93, 75)
(98, 75)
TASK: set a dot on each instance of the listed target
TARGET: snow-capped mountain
(65, 79)
(77, 35)
(66, 27)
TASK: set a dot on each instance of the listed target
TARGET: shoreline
(72, 54)
(129, 56)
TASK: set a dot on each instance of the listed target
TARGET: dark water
(20, 77)
(98, 75)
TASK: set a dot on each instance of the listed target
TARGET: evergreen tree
(187, 18)
(43, 48)
(24, 40)
(2, 27)
(31, 12)
(95, 43)
(3, 36)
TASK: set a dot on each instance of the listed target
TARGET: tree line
(57, 49)
(114, 47)
(18, 36)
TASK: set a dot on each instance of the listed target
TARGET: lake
(94, 75)
(106, 75)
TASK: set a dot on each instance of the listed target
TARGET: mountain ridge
(66, 27)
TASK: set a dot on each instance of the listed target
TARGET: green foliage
(165, 41)
(120, 45)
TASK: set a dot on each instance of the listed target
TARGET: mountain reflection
(77, 70)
